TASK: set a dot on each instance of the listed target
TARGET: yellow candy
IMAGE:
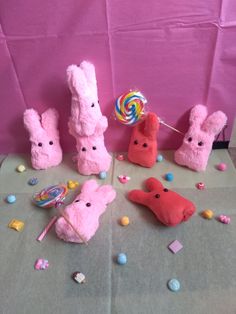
(124, 221)
(72, 184)
(21, 168)
(207, 214)
(16, 224)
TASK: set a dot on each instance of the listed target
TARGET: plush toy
(197, 144)
(85, 211)
(87, 124)
(46, 151)
(169, 207)
(143, 143)
(85, 109)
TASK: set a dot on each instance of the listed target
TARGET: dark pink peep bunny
(85, 211)
(46, 151)
(197, 143)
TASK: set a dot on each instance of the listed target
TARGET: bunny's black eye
(92, 105)
(98, 101)
(51, 143)
(88, 204)
(165, 190)
(200, 143)
(136, 142)
(157, 196)
(83, 149)
(190, 139)
(40, 144)
(145, 145)
(77, 201)
(94, 147)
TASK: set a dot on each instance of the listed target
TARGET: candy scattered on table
(207, 214)
(120, 157)
(175, 246)
(78, 277)
(122, 259)
(50, 196)
(123, 179)
(200, 186)
(169, 176)
(17, 225)
(224, 219)
(102, 175)
(221, 167)
(124, 221)
(41, 264)
(130, 107)
(159, 158)
(11, 198)
(33, 181)
(173, 285)
(21, 168)
(72, 184)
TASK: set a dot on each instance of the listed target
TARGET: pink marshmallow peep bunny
(197, 144)
(87, 124)
(85, 211)
(46, 151)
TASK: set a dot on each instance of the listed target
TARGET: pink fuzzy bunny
(85, 109)
(46, 151)
(87, 124)
(197, 143)
(85, 211)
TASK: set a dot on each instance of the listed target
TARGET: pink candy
(221, 167)
(224, 219)
(123, 179)
(120, 157)
(41, 264)
(200, 186)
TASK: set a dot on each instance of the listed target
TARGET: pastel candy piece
(200, 186)
(33, 181)
(175, 246)
(102, 175)
(224, 219)
(173, 285)
(124, 221)
(11, 199)
(159, 158)
(123, 179)
(16, 225)
(21, 168)
(72, 184)
(41, 264)
(169, 176)
(122, 259)
(221, 167)
(208, 214)
(79, 277)
(120, 157)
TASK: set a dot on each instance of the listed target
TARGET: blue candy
(102, 175)
(11, 199)
(173, 285)
(159, 158)
(33, 181)
(122, 259)
(169, 176)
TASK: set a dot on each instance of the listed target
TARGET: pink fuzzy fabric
(85, 211)
(87, 124)
(197, 143)
(46, 151)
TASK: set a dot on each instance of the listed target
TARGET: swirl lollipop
(130, 107)
(50, 196)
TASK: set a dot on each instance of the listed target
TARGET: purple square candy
(175, 246)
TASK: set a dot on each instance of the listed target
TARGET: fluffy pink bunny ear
(107, 193)
(32, 121)
(214, 123)
(49, 120)
(197, 115)
(90, 74)
(77, 81)
(89, 186)
(153, 184)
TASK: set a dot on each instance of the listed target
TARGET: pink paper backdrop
(178, 53)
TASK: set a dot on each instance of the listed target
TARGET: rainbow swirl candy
(50, 196)
(130, 107)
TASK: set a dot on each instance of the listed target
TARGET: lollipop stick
(47, 228)
(171, 127)
(75, 230)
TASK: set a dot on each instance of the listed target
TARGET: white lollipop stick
(171, 127)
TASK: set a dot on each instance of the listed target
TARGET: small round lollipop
(50, 196)
(130, 107)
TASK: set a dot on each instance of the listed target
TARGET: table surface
(205, 267)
